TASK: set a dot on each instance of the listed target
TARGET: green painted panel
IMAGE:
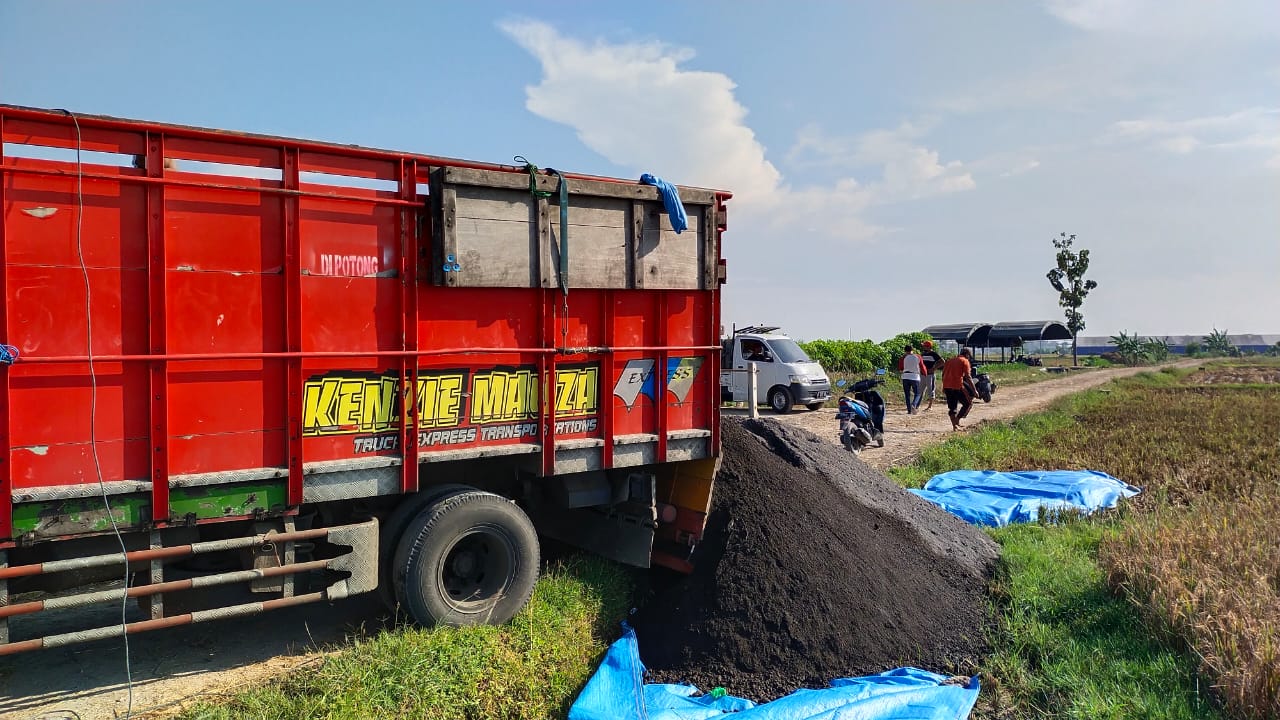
(214, 501)
(54, 518)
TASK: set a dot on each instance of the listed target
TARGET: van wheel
(814, 407)
(467, 559)
(780, 400)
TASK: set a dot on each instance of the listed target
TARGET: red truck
(244, 372)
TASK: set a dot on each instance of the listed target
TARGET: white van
(786, 376)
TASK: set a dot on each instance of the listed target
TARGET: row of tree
(861, 356)
(1136, 350)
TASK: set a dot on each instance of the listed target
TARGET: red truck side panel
(243, 323)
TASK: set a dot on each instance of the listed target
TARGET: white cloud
(1021, 168)
(1011, 163)
(1180, 144)
(1181, 19)
(1125, 53)
(636, 105)
(908, 170)
(1252, 129)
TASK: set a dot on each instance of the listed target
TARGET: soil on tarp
(814, 566)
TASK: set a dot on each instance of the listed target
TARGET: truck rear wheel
(393, 528)
(468, 558)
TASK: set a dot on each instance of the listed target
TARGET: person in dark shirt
(932, 364)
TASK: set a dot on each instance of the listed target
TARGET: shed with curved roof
(971, 334)
(1011, 334)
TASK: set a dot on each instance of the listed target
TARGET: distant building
(1177, 343)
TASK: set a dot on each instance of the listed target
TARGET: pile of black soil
(815, 566)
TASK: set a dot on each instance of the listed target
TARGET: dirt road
(173, 668)
(906, 434)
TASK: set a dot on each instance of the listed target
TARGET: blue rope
(8, 354)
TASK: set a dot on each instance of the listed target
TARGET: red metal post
(408, 229)
(712, 373)
(296, 144)
(156, 303)
(6, 464)
(317, 355)
(721, 224)
(605, 387)
(203, 185)
(547, 413)
(661, 405)
(293, 324)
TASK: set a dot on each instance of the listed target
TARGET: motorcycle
(861, 414)
(982, 381)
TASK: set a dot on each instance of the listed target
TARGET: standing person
(911, 368)
(932, 364)
(956, 382)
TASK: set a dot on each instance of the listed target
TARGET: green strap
(533, 178)
(564, 214)
(564, 232)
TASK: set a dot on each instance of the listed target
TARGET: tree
(1156, 350)
(1128, 347)
(1219, 343)
(1071, 267)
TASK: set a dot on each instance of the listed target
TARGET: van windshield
(787, 351)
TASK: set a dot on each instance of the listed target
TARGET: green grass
(1095, 616)
(530, 668)
(1066, 647)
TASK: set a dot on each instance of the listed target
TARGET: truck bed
(213, 326)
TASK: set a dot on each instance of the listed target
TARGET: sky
(893, 165)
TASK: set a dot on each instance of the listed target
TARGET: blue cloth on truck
(985, 497)
(670, 200)
(617, 692)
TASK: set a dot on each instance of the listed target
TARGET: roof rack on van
(756, 329)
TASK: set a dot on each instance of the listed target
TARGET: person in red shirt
(957, 386)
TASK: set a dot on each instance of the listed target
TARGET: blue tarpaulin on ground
(985, 497)
(617, 692)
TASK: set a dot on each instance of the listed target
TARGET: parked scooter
(982, 381)
(861, 414)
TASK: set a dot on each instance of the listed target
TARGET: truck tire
(466, 559)
(392, 529)
(780, 400)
